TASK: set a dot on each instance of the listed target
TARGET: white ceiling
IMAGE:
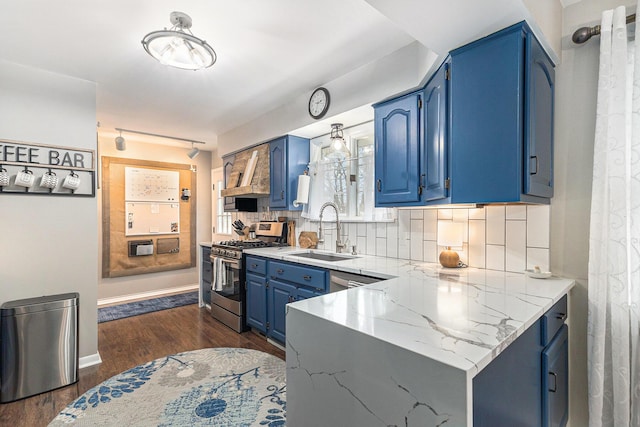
(269, 52)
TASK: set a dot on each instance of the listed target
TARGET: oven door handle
(233, 262)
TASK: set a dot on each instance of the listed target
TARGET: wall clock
(319, 103)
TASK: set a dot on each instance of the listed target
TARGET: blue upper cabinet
(435, 111)
(397, 151)
(411, 145)
(539, 83)
(288, 157)
(480, 131)
(501, 144)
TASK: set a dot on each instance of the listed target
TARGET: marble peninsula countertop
(462, 317)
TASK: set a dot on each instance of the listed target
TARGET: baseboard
(146, 295)
(90, 360)
(275, 344)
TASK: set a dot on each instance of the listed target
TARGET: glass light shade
(450, 234)
(179, 49)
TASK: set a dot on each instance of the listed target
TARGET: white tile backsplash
(517, 212)
(477, 243)
(430, 224)
(538, 257)
(538, 226)
(516, 246)
(430, 251)
(495, 225)
(417, 232)
(497, 237)
(495, 257)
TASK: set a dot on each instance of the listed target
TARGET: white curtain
(614, 248)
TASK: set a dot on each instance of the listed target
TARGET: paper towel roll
(303, 190)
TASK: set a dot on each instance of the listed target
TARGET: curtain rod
(159, 136)
(581, 35)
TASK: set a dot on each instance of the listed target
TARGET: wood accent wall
(116, 261)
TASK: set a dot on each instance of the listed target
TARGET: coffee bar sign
(27, 168)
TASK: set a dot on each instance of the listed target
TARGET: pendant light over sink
(178, 47)
(337, 139)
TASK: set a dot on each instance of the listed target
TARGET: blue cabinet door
(280, 294)
(487, 78)
(435, 119)
(305, 293)
(289, 157)
(278, 173)
(555, 381)
(257, 302)
(397, 152)
(501, 119)
(540, 87)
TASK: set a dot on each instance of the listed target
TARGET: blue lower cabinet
(257, 302)
(306, 293)
(555, 380)
(280, 294)
(527, 384)
(271, 285)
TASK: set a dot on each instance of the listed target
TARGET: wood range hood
(259, 183)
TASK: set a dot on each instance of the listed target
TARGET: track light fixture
(193, 152)
(120, 143)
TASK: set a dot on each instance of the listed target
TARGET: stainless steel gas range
(228, 288)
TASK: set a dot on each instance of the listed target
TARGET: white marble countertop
(461, 317)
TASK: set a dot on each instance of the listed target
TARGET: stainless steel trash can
(38, 345)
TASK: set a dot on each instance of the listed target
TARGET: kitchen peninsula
(427, 347)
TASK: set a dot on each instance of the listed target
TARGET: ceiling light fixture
(193, 152)
(178, 47)
(120, 143)
(337, 139)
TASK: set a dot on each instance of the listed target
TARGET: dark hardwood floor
(126, 343)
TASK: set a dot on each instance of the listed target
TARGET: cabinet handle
(306, 277)
(561, 316)
(279, 271)
(282, 195)
(254, 265)
(555, 382)
(533, 167)
(379, 185)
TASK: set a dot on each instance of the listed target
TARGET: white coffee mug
(4, 177)
(49, 180)
(25, 178)
(71, 181)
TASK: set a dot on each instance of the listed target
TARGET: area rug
(129, 309)
(209, 387)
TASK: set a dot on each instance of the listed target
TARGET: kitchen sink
(324, 256)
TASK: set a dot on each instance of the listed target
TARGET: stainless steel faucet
(339, 244)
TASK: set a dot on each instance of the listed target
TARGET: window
(223, 219)
(347, 181)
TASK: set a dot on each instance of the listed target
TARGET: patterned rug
(129, 309)
(209, 387)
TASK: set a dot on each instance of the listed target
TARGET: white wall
(576, 87)
(162, 281)
(49, 244)
(397, 72)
